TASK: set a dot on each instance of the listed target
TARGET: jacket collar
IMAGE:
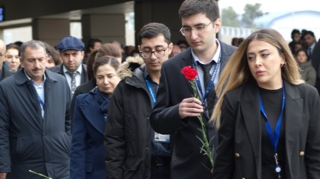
(137, 78)
(90, 105)
(250, 111)
(21, 78)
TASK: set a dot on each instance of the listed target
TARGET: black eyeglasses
(186, 31)
(148, 53)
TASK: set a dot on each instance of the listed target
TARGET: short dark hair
(91, 43)
(183, 42)
(309, 32)
(105, 60)
(191, 7)
(153, 30)
(295, 31)
(18, 43)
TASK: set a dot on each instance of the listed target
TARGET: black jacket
(128, 131)
(5, 73)
(239, 150)
(187, 161)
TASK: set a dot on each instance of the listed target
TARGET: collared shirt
(158, 149)
(68, 77)
(40, 92)
(200, 71)
(311, 49)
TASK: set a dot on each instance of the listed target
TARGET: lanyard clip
(276, 158)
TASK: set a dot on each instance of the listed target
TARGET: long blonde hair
(237, 72)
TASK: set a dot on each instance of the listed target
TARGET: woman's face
(265, 64)
(12, 58)
(301, 56)
(106, 78)
(50, 62)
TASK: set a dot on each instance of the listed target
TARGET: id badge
(161, 138)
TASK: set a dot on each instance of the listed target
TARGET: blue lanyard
(211, 82)
(153, 96)
(41, 102)
(274, 137)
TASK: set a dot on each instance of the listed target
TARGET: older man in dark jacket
(35, 123)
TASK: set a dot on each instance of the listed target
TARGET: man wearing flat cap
(71, 53)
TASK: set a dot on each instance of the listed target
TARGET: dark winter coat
(28, 141)
(128, 131)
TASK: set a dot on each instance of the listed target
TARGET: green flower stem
(39, 174)
(205, 148)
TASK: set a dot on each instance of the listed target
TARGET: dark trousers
(160, 168)
(162, 172)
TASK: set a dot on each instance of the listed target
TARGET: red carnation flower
(189, 73)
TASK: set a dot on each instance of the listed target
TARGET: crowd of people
(102, 110)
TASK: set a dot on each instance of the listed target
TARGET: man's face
(201, 42)
(296, 37)
(159, 46)
(34, 62)
(96, 46)
(72, 59)
(309, 40)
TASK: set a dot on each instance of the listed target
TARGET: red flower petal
(189, 73)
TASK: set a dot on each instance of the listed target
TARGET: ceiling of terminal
(75, 15)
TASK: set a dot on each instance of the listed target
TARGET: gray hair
(34, 44)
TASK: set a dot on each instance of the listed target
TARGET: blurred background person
(240, 40)
(91, 112)
(12, 57)
(183, 44)
(92, 45)
(234, 41)
(175, 51)
(120, 46)
(53, 57)
(308, 73)
(297, 46)
(128, 49)
(18, 43)
(295, 36)
(135, 53)
(4, 71)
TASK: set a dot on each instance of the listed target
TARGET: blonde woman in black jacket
(268, 118)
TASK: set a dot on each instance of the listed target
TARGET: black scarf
(103, 100)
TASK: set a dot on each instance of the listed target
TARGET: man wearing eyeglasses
(133, 149)
(4, 72)
(176, 110)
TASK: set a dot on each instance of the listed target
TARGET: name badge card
(161, 138)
